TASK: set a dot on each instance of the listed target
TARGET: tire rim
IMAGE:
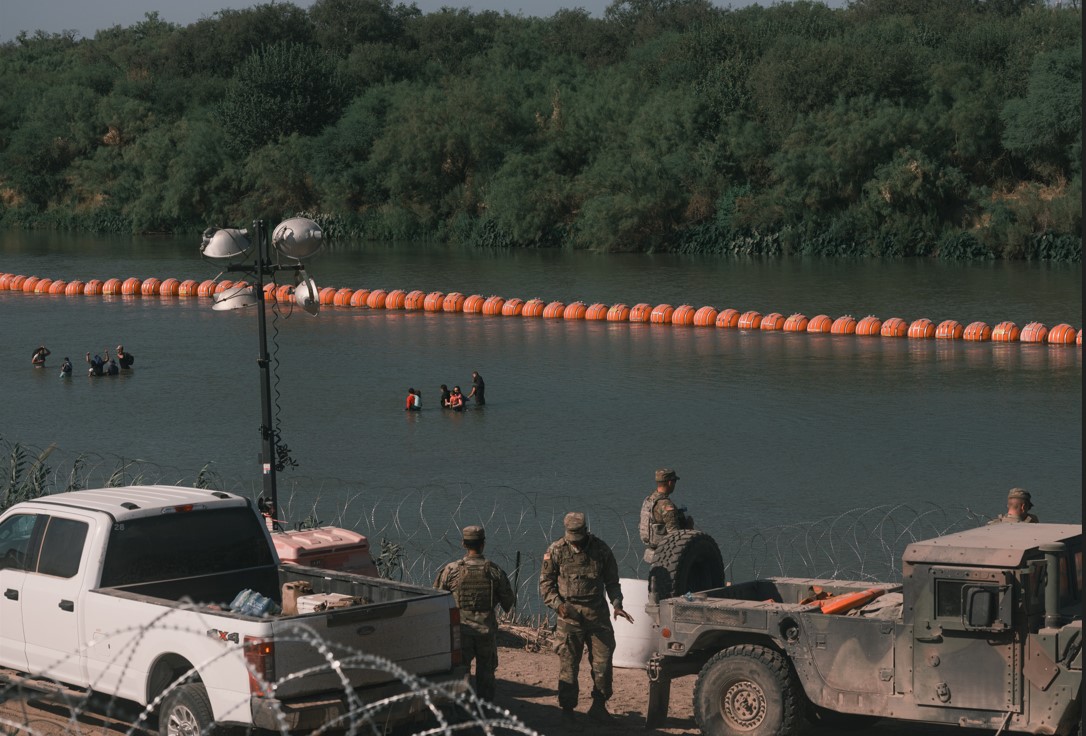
(743, 705)
(182, 722)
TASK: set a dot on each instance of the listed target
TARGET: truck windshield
(184, 545)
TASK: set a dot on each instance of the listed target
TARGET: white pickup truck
(126, 592)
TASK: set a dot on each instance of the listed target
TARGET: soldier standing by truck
(659, 514)
(578, 570)
(478, 585)
(1018, 506)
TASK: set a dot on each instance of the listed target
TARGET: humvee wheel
(747, 690)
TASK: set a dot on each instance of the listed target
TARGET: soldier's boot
(598, 711)
(569, 720)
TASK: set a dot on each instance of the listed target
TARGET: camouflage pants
(570, 646)
(483, 648)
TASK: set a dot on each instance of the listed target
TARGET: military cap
(474, 534)
(1019, 493)
(665, 474)
(575, 526)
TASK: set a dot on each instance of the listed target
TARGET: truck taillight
(260, 662)
(454, 635)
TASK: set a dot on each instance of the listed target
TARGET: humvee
(983, 631)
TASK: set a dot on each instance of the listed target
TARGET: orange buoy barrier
(206, 288)
(683, 315)
(894, 327)
(796, 323)
(168, 287)
(29, 283)
(93, 288)
(596, 312)
(111, 286)
(1078, 338)
(576, 310)
(58, 287)
(414, 300)
(1033, 332)
(705, 317)
(396, 299)
(618, 313)
(42, 287)
(640, 312)
(1061, 334)
(189, 287)
(453, 302)
(533, 308)
(1005, 332)
(131, 286)
(5, 281)
(922, 329)
(74, 288)
(359, 297)
(772, 322)
(661, 314)
(849, 601)
(376, 299)
(493, 305)
(433, 301)
(285, 293)
(751, 320)
(327, 296)
(727, 319)
(869, 326)
(150, 287)
(512, 307)
(843, 325)
(16, 283)
(820, 324)
(221, 286)
(977, 332)
(474, 304)
(949, 329)
(343, 297)
(554, 310)
(269, 291)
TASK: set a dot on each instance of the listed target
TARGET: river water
(768, 431)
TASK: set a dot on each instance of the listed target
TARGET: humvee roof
(997, 545)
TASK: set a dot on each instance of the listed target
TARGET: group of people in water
(99, 366)
(454, 400)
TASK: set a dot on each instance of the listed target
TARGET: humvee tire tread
(766, 692)
(686, 561)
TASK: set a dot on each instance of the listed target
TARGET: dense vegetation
(890, 127)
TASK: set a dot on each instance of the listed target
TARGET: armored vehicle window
(1070, 581)
(948, 598)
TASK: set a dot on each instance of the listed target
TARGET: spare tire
(685, 562)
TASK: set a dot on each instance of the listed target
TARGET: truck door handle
(12, 594)
(66, 605)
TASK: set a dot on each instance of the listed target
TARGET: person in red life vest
(456, 399)
(413, 401)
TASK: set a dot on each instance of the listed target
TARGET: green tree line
(947, 128)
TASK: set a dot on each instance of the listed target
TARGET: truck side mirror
(981, 607)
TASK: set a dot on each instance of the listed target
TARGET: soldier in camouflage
(659, 514)
(478, 585)
(578, 570)
(1018, 506)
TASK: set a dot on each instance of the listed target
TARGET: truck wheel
(685, 562)
(835, 722)
(186, 711)
(747, 690)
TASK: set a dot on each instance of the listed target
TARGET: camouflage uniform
(1023, 497)
(478, 585)
(579, 578)
(660, 516)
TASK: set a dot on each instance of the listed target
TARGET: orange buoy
(414, 300)
(683, 315)
(576, 310)
(168, 287)
(453, 302)
(16, 283)
(269, 291)
(206, 288)
(131, 286)
(661, 314)
(922, 329)
(58, 287)
(433, 301)
(869, 326)
(596, 312)
(894, 327)
(493, 305)
(29, 284)
(512, 307)
(554, 310)
(1078, 338)
(93, 288)
(844, 325)
(751, 320)
(474, 304)
(849, 601)
(189, 287)
(396, 299)
(111, 286)
(949, 329)
(641, 312)
(284, 293)
(618, 313)
(376, 299)
(343, 297)
(74, 288)
(705, 316)
(359, 297)
(727, 318)
(42, 286)
(150, 287)
(796, 323)
(1005, 332)
(1033, 332)
(820, 323)
(221, 286)
(772, 322)
(327, 296)
(1061, 334)
(977, 332)
(533, 308)
(5, 281)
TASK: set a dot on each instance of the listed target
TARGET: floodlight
(235, 297)
(297, 238)
(306, 295)
(225, 243)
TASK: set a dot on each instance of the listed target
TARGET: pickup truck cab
(983, 631)
(126, 592)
